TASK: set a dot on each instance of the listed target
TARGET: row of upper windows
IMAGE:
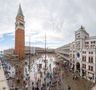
(92, 42)
(86, 46)
(90, 52)
(89, 67)
(90, 59)
(91, 46)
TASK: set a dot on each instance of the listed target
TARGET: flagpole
(45, 63)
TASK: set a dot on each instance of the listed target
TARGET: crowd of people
(53, 77)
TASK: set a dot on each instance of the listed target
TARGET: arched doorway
(78, 66)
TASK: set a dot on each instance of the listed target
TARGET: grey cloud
(61, 16)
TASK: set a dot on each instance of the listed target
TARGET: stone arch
(78, 66)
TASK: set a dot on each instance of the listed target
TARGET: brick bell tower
(20, 34)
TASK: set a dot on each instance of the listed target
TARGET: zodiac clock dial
(78, 54)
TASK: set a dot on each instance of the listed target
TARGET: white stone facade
(81, 54)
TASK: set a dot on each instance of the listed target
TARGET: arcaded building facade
(81, 54)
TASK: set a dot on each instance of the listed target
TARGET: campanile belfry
(20, 34)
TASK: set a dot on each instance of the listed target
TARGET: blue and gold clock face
(78, 54)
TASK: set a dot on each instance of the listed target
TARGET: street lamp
(29, 59)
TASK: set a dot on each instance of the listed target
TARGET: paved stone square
(79, 84)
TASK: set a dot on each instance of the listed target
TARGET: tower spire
(20, 13)
(19, 34)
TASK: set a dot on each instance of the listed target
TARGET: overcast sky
(57, 18)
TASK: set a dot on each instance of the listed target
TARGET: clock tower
(20, 34)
